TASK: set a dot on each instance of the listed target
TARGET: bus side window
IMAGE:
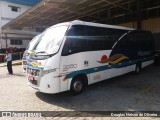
(131, 41)
(109, 38)
(94, 37)
(122, 43)
(102, 38)
(141, 39)
(147, 39)
(75, 40)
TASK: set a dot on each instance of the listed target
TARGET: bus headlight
(33, 72)
(48, 71)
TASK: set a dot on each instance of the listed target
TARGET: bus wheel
(137, 69)
(77, 86)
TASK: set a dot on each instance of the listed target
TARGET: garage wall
(151, 24)
(129, 24)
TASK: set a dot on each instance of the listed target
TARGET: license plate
(30, 78)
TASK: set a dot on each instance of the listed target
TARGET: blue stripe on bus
(106, 67)
(35, 67)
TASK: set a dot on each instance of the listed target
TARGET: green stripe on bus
(106, 67)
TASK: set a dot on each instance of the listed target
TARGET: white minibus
(75, 54)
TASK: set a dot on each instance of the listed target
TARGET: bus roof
(99, 25)
(79, 22)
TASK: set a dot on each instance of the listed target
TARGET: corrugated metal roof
(24, 2)
(50, 12)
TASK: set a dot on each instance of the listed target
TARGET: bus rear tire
(137, 68)
(77, 86)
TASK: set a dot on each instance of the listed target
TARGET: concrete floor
(124, 93)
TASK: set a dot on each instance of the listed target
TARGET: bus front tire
(77, 86)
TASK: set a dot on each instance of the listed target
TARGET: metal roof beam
(117, 5)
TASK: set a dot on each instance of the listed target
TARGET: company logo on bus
(144, 53)
(113, 59)
(104, 59)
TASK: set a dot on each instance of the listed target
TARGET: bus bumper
(46, 84)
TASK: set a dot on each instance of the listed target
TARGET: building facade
(9, 10)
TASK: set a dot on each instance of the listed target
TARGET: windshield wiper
(46, 54)
(38, 56)
(42, 52)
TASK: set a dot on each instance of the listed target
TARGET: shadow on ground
(124, 93)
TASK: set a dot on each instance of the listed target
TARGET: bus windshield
(51, 39)
(33, 43)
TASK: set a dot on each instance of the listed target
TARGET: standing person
(9, 62)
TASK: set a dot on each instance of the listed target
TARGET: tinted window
(140, 39)
(75, 41)
(146, 39)
(111, 36)
(88, 38)
(132, 40)
(102, 38)
(94, 37)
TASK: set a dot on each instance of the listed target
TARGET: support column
(108, 16)
(138, 15)
(6, 40)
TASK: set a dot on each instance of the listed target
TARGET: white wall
(6, 15)
(24, 45)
